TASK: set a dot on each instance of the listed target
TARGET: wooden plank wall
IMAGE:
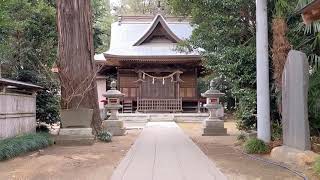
(188, 88)
(17, 114)
(127, 83)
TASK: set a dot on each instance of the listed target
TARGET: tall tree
(102, 20)
(281, 45)
(225, 31)
(76, 64)
(142, 7)
(28, 50)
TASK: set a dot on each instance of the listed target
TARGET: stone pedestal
(115, 127)
(214, 127)
(76, 128)
(74, 137)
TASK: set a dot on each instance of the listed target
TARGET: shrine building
(150, 70)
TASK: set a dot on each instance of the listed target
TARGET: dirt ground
(230, 160)
(70, 163)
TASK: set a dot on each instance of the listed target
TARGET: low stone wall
(17, 114)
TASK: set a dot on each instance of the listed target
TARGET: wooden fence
(159, 105)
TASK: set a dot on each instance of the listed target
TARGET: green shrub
(314, 103)
(42, 128)
(276, 131)
(47, 101)
(13, 147)
(255, 146)
(104, 136)
(316, 166)
(242, 137)
(246, 110)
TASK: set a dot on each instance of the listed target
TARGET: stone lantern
(213, 126)
(113, 124)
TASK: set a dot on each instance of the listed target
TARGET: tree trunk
(77, 70)
(280, 48)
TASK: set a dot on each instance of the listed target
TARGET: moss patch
(316, 166)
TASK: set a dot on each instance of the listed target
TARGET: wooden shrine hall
(150, 71)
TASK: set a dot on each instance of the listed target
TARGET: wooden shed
(17, 108)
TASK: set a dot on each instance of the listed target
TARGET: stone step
(214, 132)
(161, 117)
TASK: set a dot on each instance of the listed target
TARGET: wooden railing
(159, 105)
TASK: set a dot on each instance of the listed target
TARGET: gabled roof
(129, 37)
(158, 22)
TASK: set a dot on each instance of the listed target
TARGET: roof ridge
(158, 19)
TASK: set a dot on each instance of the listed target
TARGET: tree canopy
(225, 30)
(28, 46)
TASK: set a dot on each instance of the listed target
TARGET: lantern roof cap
(113, 92)
(212, 92)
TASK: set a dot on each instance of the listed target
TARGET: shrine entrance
(159, 92)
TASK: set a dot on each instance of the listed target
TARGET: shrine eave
(153, 57)
(310, 12)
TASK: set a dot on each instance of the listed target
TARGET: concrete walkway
(164, 152)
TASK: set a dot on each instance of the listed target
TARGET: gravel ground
(67, 163)
(230, 160)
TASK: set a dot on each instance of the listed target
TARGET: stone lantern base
(214, 127)
(115, 127)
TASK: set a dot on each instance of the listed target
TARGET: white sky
(115, 2)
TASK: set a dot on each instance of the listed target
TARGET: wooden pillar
(118, 80)
(178, 85)
(2, 89)
(139, 81)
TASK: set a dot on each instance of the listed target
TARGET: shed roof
(128, 38)
(19, 84)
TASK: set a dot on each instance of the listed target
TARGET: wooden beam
(311, 12)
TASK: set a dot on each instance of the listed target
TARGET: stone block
(214, 132)
(294, 101)
(115, 127)
(214, 124)
(293, 156)
(75, 137)
(76, 131)
(79, 118)
(113, 123)
(220, 113)
(214, 128)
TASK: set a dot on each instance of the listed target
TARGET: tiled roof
(125, 37)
